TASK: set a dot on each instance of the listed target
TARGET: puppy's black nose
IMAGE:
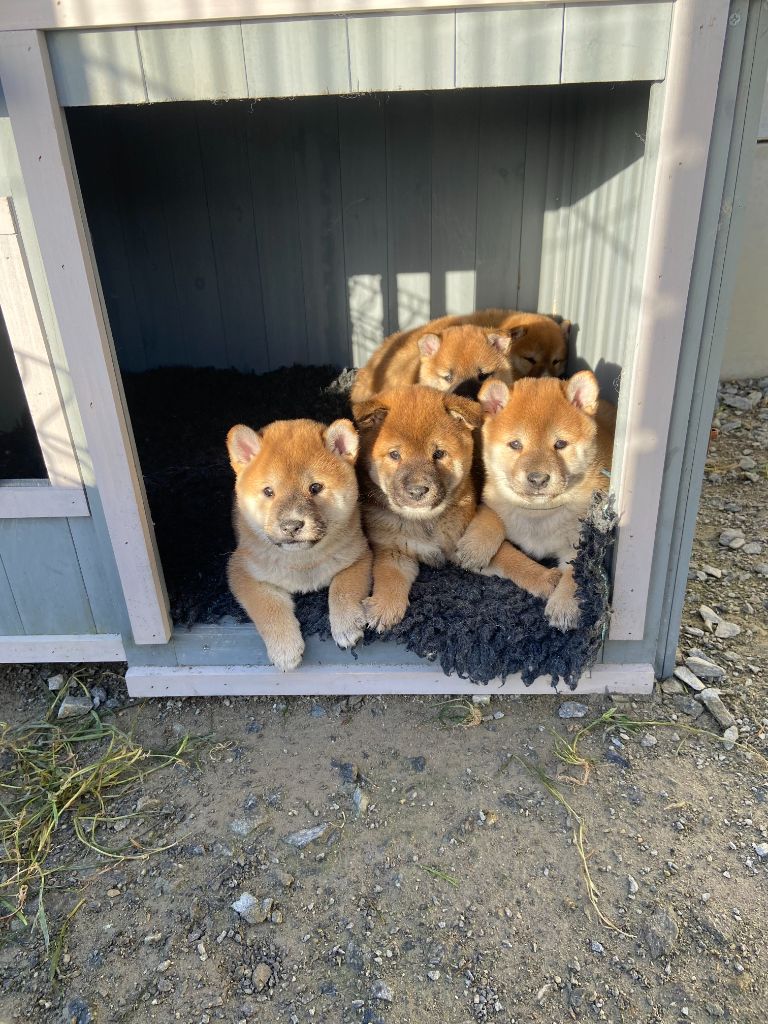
(417, 491)
(538, 479)
(291, 526)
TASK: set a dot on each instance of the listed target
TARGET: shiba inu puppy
(457, 353)
(547, 447)
(297, 523)
(416, 488)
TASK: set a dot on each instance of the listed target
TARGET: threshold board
(330, 680)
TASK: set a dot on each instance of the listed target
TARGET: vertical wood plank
(409, 210)
(95, 68)
(534, 197)
(223, 138)
(398, 52)
(318, 190)
(106, 223)
(273, 183)
(44, 575)
(508, 47)
(173, 133)
(556, 215)
(97, 572)
(455, 143)
(363, 154)
(193, 62)
(501, 179)
(10, 620)
(296, 57)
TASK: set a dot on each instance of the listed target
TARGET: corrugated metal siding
(305, 231)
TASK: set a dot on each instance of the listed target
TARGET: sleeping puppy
(297, 524)
(547, 447)
(456, 353)
(416, 487)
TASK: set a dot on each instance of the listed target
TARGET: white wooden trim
(52, 14)
(25, 330)
(696, 48)
(38, 500)
(42, 142)
(249, 680)
(89, 647)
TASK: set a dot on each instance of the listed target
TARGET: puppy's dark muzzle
(419, 487)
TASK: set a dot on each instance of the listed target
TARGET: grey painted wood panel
(402, 51)
(97, 570)
(223, 136)
(534, 193)
(616, 42)
(44, 574)
(98, 67)
(10, 621)
(501, 176)
(409, 212)
(318, 192)
(193, 62)
(298, 57)
(508, 47)
(454, 201)
(363, 156)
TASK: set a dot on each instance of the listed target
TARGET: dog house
(221, 183)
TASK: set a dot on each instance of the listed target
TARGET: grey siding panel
(616, 42)
(98, 67)
(10, 621)
(318, 191)
(97, 571)
(534, 197)
(454, 201)
(409, 215)
(44, 574)
(299, 57)
(402, 51)
(193, 62)
(516, 47)
(363, 155)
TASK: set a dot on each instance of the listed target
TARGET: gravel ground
(440, 880)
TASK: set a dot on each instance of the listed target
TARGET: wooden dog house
(402, 159)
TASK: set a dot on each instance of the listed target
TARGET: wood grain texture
(41, 649)
(10, 620)
(300, 57)
(193, 62)
(38, 500)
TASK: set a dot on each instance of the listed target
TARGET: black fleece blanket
(477, 627)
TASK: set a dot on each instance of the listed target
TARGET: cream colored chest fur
(432, 542)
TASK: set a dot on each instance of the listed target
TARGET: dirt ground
(446, 884)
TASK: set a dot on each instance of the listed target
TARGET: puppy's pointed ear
(464, 410)
(342, 439)
(565, 329)
(243, 444)
(518, 333)
(429, 344)
(493, 396)
(500, 340)
(369, 414)
(583, 391)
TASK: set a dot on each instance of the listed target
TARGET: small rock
(261, 976)
(244, 826)
(727, 630)
(730, 737)
(762, 568)
(704, 669)
(76, 1011)
(736, 543)
(481, 699)
(98, 695)
(380, 990)
(75, 705)
(433, 975)
(671, 687)
(710, 698)
(753, 548)
(685, 675)
(418, 764)
(360, 800)
(318, 711)
(761, 849)
(727, 537)
(572, 709)
(163, 967)
(649, 740)
(251, 911)
(597, 947)
(617, 759)
(254, 727)
(276, 917)
(55, 683)
(306, 836)
(747, 463)
(661, 932)
(691, 707)
(710, 617)
(737, 402)
(348, 771)
(285, 879)
(633, 886)
(711, 570)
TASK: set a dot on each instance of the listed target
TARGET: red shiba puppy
(298, 529)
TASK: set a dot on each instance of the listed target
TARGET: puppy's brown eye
(516, 445)
(560, 444)
(438, 454)
(315, 488)
(268, 492)
(395, 456)
(528, 359)
(447, 377)
(483, 376)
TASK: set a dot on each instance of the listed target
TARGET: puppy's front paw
(545, 584)
(474, 551)
(347, 624)
(562, 611)
(287, 651)
(383, 615)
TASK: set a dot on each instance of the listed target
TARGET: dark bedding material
(479, 628)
